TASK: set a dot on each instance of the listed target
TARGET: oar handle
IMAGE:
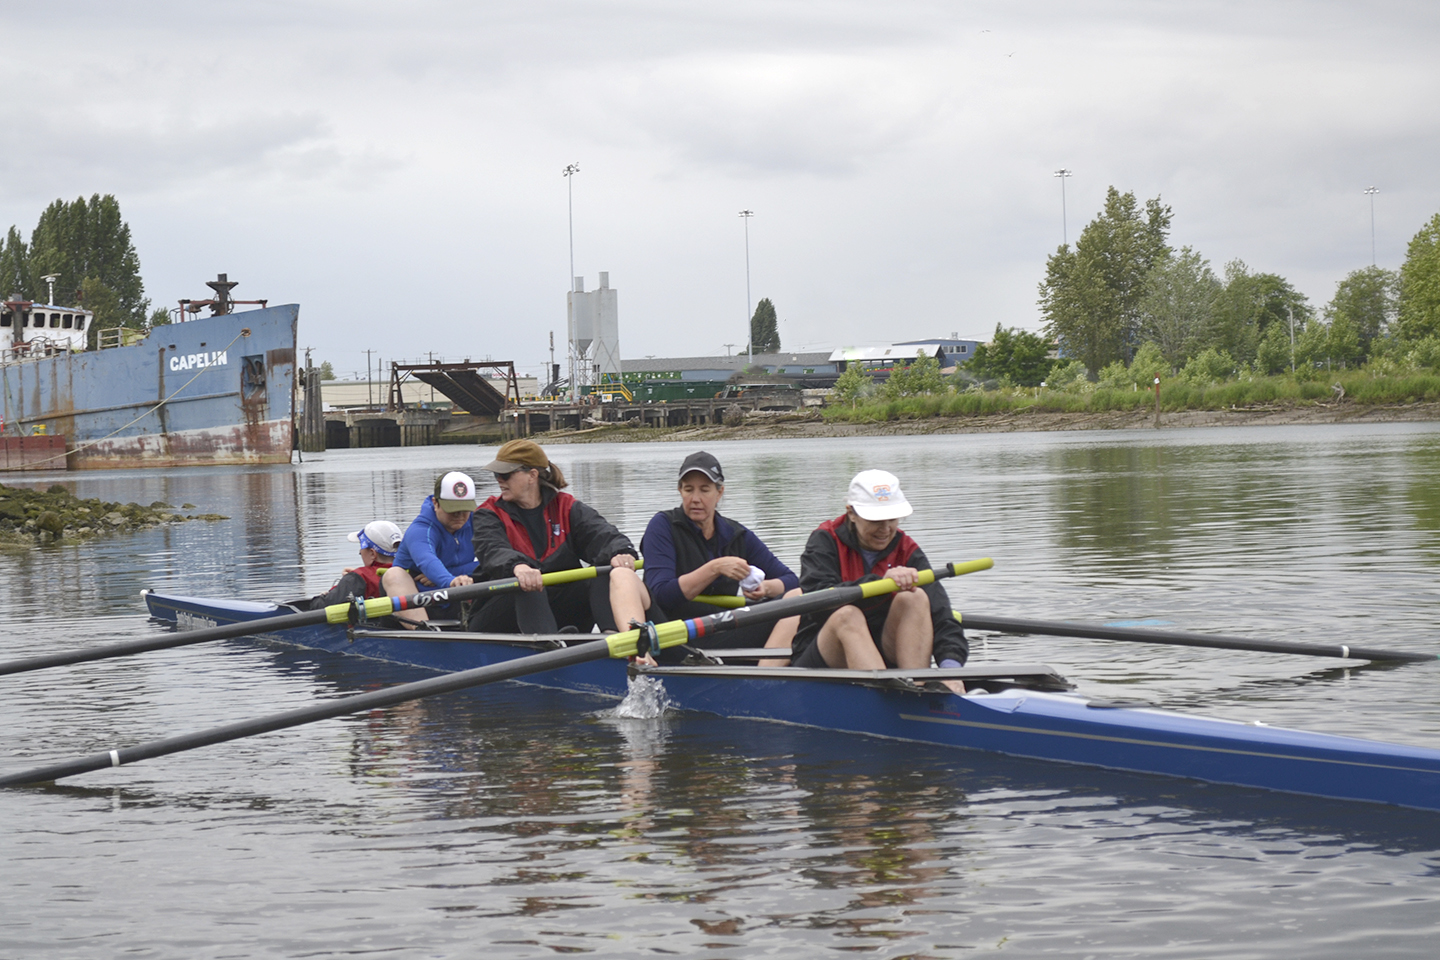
(676, 632)
(731, 601)
(377, 607)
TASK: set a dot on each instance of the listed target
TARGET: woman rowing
(533, 528)
(438, 549)
(901, 629)
(692, 551)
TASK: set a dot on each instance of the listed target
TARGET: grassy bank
(1359, 386)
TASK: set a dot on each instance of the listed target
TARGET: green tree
(1420, 285)
(1366, 301)
(1070, 375)
(1148, 364)
(86, 245)
(80, 240)
(1208, 366)
(764, 330)
(1091, 296)
(1275, 354)
(1017, 356)
(1343, 342)
(327, 372)
(920, 378)
(1312, 346)
(1249, 306)
(1176, 309)
(851, 385)
(14, 270)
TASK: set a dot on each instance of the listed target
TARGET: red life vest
(371, 576)
(852, 562)
(557, 525)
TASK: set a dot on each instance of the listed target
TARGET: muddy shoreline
(789, 426)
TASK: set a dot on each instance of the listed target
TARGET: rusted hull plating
(32, 453)
(216, 390)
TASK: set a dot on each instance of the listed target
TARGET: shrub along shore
(1349, 387)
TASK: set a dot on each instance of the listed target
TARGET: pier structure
(378, 427)
(541, 417)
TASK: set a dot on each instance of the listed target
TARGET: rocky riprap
(57, 515)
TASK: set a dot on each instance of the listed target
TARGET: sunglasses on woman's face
(502, 477)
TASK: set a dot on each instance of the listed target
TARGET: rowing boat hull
(1071, 729)
(1017, 722)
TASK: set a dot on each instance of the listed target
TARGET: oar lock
(648, 639)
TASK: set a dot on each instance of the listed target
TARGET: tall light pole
(1291, 312)
(570, 171)
(749, 334)
(1370, 192)
(1064, 174)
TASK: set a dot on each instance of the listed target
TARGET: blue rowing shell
(1018, 722)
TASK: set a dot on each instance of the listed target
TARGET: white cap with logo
(876, 495)
(456, 493)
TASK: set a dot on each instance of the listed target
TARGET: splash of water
(646, 700)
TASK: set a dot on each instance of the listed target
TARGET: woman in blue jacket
(438, 549)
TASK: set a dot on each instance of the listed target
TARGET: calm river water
(514, 822)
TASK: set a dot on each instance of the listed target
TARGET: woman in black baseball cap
(692, 551)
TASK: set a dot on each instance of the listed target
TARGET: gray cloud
(899, 156)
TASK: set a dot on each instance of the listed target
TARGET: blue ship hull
(214, 390)
(1018, 722)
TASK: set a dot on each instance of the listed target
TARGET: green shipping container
(672, 391)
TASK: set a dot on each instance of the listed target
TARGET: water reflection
(525, 822)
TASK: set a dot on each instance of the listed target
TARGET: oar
(619, 645)
(374, 609)
(1179, 638)
(728, 600)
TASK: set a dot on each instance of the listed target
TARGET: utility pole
(1370, 192)
(369, 380)
(570, 171)
(1291, 312)
(1064, 174)
(749, 334)
(569, 174)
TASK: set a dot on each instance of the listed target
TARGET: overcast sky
(395, 168)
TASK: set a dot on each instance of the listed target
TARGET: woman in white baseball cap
(378, 542)
(438, 549)
(902, 629)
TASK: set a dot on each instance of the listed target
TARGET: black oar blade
(164, 642)
(1180, 638)
(509, 670)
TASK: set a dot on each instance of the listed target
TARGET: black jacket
(592, 539)
(820, 569)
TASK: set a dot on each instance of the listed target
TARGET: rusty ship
(215, 389)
